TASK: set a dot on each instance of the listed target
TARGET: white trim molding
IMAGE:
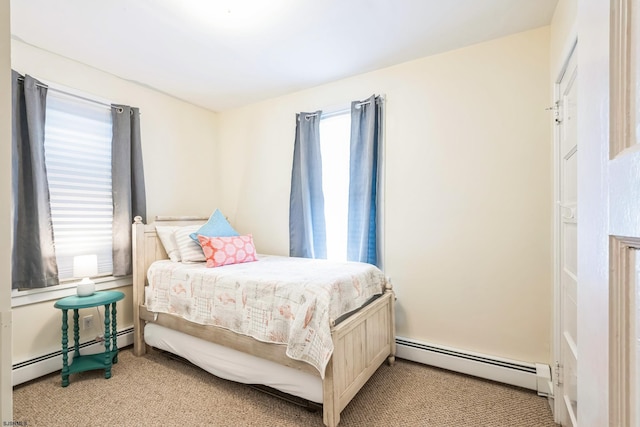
(622, 330)
(33, 296)
(45, 364)
(532, 376)
(622, 84)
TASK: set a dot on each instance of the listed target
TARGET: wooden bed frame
(362, 342)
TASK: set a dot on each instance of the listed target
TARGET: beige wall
(468, 189)
(6, 400)
(178, 143)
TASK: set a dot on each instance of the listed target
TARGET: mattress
(234, 365)
(282, 300)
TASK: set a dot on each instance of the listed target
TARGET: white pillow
(166, 235)
(190, 251)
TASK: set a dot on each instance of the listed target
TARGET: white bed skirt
(234, 365)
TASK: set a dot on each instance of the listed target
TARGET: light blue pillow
(216, 226)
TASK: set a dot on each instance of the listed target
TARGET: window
(77, 146)
(344, 152)
(334, 145)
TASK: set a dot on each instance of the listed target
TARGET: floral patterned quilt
(276, 299)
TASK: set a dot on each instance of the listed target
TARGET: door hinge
(557, 371)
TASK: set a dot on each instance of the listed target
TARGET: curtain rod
(360, 104)
(329, 114)
(21, 79)
(342, 111)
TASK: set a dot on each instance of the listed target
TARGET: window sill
(33, 296)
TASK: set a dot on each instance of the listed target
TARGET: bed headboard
(147, 248)
(146, 244)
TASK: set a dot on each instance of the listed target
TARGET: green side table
(91, 361)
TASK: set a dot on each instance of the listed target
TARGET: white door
(566, 214)
(609, 203)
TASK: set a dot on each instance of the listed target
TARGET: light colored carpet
(155, 390)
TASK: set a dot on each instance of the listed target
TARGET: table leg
(65, 341)
(114, 333)
(107, 342)
(76, 333)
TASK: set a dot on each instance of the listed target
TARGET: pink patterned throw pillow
(221, 251)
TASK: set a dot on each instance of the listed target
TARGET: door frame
(558, 404)
(609, 187)
(624, 156)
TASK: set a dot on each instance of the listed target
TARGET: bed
(359, 341)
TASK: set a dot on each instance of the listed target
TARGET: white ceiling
(222, 54)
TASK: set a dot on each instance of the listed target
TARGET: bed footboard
(361, 344)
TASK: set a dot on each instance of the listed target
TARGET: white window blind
(78, 160)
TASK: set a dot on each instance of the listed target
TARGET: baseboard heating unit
(533, 376)
(52, 362)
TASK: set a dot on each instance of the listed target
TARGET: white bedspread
(275, 299)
